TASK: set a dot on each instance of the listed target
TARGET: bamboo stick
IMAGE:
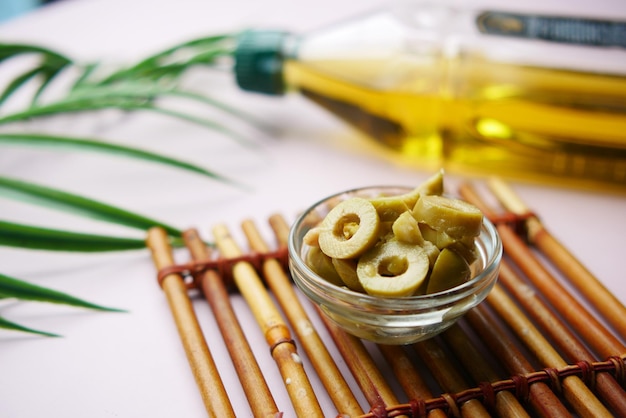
(280, 228)
(412, 383)
(506, 404)
(541, 398)
(607, 387)
(252, 381)
(579, 396)
(274, 329)
(448, 377)
(377, 391)
(611, 309)
(595, 334)
(283, 290)
(200, 360)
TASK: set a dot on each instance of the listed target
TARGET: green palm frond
(18, 82)
(12, 50)
(54, 198)
(39, 238)
(51, 65)
(167, 65)
(11, 287)
(128, 101)
(147, 91)
(131, 88)
(6, 324)
(88, 144)
(175, 60)
(139, 86)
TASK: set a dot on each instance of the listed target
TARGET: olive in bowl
(386, 265)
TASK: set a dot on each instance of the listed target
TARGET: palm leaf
(47, 74)
(17, 327)
(85, 72)
(147, 91)
(11, 287)
(94, 145)
(82, 205)
(202, 50)
(91, 95)
(52, 63)
(12, 50)
(87, 104)
(39, 238)
(134, 88)
(18, 82)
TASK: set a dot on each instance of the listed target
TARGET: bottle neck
(259, 57)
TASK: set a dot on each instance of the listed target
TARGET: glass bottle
(476, 92)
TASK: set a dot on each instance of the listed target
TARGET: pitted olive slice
(346, 269)
(390, 207)
(322, 264)
(311, 238)
(406, 229)
(393, 269)
(433, 185)
(438, 238)
(349, 229)
(457, 218)
(431, 251)
(450, 270)
(468, 252)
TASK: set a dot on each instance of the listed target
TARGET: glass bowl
(390, 320)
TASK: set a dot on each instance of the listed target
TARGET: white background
(131, 364)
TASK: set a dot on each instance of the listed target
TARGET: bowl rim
(491, 263)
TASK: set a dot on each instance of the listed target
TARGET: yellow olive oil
(476, 116)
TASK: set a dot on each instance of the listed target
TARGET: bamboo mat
(533, 348)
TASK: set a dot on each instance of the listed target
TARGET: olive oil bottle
(481, 92)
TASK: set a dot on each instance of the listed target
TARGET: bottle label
(579, 31)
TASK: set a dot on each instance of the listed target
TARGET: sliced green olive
(406, 229)
(456, 218)
(346, 269)
(433, 185)
(311, 238)
(393, 269)
(450, 270)
(438, 238)
(321, 264)
(431, 251)
(469, 253)
(349, 229)
(386, 231)
(390, 207)
(395, 246)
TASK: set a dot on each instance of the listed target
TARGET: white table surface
(131, 364)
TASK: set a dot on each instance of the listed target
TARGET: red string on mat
(618, 365)
(223, 266)
(516, 221)
(489, 395)
(519, 385)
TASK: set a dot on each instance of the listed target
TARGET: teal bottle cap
(259, 61)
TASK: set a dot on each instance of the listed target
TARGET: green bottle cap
(259, 61)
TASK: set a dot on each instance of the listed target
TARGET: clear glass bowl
(388, 320)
